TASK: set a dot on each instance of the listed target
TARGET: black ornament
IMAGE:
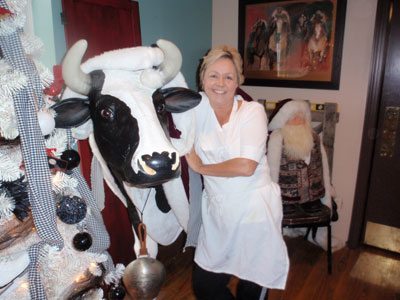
(71, 157)
(116, 292)
(71, 209)
(82, 241)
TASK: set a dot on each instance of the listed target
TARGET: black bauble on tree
(82, 241)
(71, 157)
(116, 292)
(70, 209)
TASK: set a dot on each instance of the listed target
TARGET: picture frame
(292, 43)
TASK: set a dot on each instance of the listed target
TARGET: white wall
(44, 29)
(44, 21)
(351, 97)
(179, 21)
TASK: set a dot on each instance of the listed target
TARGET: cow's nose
(159, 162)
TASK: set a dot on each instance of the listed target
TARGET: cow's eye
(107, 113)
(160, 107)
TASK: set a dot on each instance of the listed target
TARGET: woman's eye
(107, 113)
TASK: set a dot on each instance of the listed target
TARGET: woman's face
(220, 80)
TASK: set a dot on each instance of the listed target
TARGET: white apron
(241, 230)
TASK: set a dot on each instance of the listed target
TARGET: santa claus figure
(299, 164)
(297, 158)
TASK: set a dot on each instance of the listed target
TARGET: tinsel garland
(17, 190)
(57, 141)
(17, 18)
(10, 163)
(7, 205)
(32, 45)
(11, 81)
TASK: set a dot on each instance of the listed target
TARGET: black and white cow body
(120, 100)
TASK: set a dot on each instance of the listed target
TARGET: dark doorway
(106, 25)
(376, 212)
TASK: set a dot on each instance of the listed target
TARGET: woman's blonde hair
(223, 51)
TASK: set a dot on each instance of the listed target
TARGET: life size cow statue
(120, 101)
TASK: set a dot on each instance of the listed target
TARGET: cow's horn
(74, 77)
(167, 70)
(172, 63)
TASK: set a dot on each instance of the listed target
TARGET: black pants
(213, 286)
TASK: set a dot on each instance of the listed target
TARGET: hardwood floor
(361, 274)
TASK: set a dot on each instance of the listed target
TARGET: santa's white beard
(297, 141)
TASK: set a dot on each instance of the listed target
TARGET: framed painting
(292, 43)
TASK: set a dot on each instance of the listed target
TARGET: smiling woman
(241, 209)
(220, 83)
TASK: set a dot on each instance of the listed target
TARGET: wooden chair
(324, 118)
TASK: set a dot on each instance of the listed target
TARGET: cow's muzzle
(154, 169)
(156, 163)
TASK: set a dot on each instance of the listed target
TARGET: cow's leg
(176, 196)
(161, 199)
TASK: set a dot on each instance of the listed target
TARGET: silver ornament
(46, 122)
(144, 277)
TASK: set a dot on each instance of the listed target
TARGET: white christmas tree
(52, 238)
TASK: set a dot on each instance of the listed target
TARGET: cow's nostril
(146, 157)
(156, 155)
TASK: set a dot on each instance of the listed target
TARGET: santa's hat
(285, 110)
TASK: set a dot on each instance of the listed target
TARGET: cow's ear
(71, 112)
(176, 99)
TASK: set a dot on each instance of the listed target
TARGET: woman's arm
(230, 168)
(274, 154)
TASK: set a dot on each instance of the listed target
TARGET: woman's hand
(194, 161)
(332, 191)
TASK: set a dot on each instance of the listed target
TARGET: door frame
(381, 34)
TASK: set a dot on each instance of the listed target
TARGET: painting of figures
(292, 43)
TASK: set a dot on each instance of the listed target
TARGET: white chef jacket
(241, 216)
